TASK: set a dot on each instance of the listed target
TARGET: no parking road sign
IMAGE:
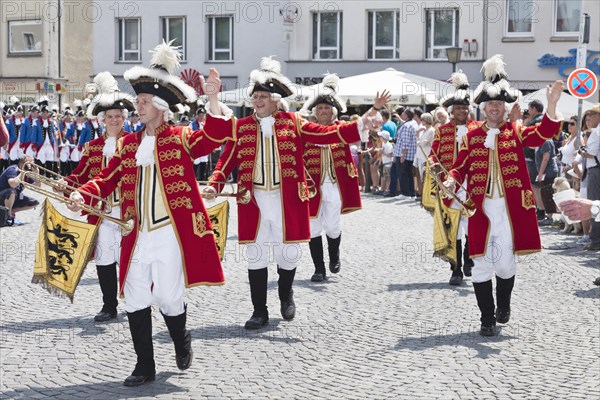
(582, 83)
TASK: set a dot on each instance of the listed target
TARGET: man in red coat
(172, 236)
(268, 153)
(111, 106)
(504, 224)
(444, 150)
(334, 177)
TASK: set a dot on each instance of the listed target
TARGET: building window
(568, 13)
(520, 17)
(220, 38)
(129, 39)
(173, 28)
(327, 36)
(442, 32)
(384, 35)
(25, 37)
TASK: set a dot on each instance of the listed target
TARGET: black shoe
(467, 269)
(318, 277)
(138, 380)
(104, 316)
(502, 315)
(456, 280)
(256, 322)
(184, 362)
(597, 281)
(288, 307)
(488, 330)
(335, 267)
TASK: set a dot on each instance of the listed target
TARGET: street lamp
(453, 54)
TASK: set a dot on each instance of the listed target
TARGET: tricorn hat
(461, 94)
(159, 80)
(495, 85)
(107, 96)
(326, 93)
(269, 79)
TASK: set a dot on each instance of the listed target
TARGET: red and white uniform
(268, 154)
(505, 223)
(336, 180)
(160, 193)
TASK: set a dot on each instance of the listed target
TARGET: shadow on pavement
(471, 339)
(86, 323)
(593, 293)
(463, 290)
(100, 390)
(273, 332)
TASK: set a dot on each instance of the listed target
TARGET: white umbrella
(567, 105)
(404, 88)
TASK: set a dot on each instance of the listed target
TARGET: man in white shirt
(592, 153)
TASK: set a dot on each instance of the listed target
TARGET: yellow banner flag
(219, 218)
(446, 221)
(63, 250)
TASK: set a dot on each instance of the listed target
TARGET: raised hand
(382, 99)
(553, 93)
(515, 112)
(212, 85)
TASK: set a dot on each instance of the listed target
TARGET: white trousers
(4, 153)
(16, 152)
(64, 153)
(75, 155)
(46, 153)
(499, 257)
(270, 235)
(29, 151)
(108, 241)
(328, 219)
(156, 273)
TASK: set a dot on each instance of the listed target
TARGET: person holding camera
(11, 188)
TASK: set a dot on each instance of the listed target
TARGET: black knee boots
(457, 274)
(140, 326)
(334, 254)
(182, 339)
(316, 253)
(107, 276)
(504, 289)
(468, 264)
(286, 293)
(258, 293)
(485, 301)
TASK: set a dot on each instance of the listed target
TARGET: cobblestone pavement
(387, 327)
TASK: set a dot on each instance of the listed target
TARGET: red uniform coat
(176, 148)
(90, 165)
(473, 160)
(444, 148)
(290, 133)
(345, 172)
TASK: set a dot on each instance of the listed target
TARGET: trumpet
(126, 226)
(242, 196)
(467, 207)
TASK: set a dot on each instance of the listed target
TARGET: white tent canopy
(567, 105)
(404, 88)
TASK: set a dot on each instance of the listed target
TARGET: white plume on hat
(13, 100)
(164, 63)
(495, 85)
(270, 71)
(461, 93)
(327, 89)
(107, 95)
